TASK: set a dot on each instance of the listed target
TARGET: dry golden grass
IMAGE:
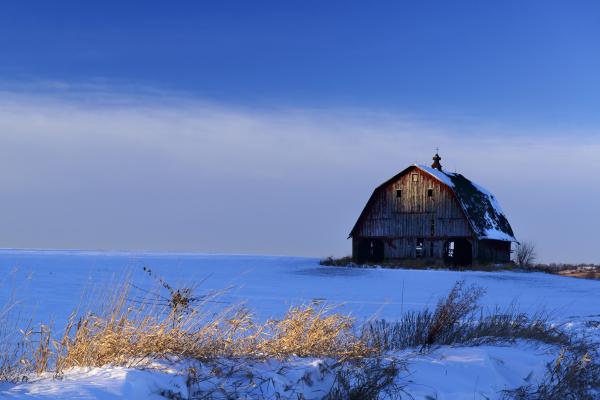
(312, 331)
(126, 335)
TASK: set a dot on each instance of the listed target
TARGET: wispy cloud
(95, 167)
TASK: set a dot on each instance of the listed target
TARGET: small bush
(525, 254)
(179, 300)
(459, 303)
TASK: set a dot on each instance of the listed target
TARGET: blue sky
(529, 61)
(262, 127)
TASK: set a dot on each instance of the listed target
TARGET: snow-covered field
(48, 286)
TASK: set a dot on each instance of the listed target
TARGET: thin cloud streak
(177, 174)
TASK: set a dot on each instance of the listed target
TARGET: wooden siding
(414, 214)
(494, 250)
(406, 248)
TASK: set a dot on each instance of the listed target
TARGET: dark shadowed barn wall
(401, 220)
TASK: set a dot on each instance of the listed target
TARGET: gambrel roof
(481, 208)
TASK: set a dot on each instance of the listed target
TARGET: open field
(48, 286)
(270, 285)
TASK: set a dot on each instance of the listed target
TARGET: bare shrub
(460, 302)
(525, 254)
(180, 300)
(476, 329)
(509, 325)
(458, 319)
(426, 328)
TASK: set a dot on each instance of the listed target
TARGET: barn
(426, 212)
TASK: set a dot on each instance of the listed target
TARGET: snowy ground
(49, 285)
(447, 373)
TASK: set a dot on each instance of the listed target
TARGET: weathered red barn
(425, 212)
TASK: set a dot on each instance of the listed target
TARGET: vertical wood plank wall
(401, 220)
(494, 250)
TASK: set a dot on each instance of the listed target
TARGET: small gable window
(429, 192)
(399, 193)
(415, 177)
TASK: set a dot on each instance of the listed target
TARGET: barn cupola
(436, 162)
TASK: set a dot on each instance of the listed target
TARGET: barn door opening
(458, 251)
(370, 250)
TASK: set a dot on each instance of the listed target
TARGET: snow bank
(447, 373)
(100, 383)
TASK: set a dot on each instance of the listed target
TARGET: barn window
(419, 248)
(415, 177)
(450, 249)
(399, 193)
(429, 192)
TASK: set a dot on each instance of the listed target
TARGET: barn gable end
(410, 215)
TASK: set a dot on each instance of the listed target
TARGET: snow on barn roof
(482, 210)
(480, 206)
